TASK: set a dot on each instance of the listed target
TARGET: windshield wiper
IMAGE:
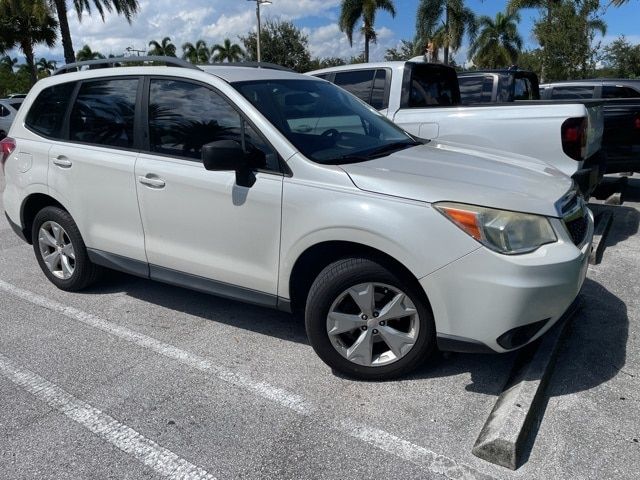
(378, 152)
(390, 148)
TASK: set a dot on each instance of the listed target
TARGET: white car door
(93, 171)
(201, 228)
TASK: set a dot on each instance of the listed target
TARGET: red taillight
(7, 146)
(574, 137)
(636, 123)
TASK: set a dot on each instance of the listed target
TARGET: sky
(215, 20)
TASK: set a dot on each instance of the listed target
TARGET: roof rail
(270, 66)
(117, 61)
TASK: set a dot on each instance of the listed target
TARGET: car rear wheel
(61, 252)
(367, 322)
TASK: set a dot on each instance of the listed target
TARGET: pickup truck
(424, 99)
(621, 97)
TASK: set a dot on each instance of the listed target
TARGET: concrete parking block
(521, 404)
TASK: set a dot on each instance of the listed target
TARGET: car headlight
(505, 232)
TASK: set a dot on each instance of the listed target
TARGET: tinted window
(47, 112)
(574, 92)
(324, 76)
(16, 105)
(433, 86)
(619, 92)
(358, 83)
(523, 89)
(476, 89)
(378, 98)
(185, 116)
(4, 111)
(104, 112)
(323, 122)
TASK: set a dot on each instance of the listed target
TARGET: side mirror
(228, 155)
(223, 155)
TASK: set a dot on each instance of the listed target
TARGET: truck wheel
(366, 322)
(61, 252)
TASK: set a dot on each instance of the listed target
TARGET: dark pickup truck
(621, 137)
(498, 86)
(620, 98)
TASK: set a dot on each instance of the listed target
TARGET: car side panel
(314, 213)
(100, 192)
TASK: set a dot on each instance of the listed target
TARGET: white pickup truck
(424, 99)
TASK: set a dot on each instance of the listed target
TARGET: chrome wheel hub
(373, 324)
(57, 250)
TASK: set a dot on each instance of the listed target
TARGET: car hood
(444, 172)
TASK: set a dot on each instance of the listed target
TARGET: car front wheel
(366, 322)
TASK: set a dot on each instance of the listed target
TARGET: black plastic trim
(205, 285)
(120, 263)
(453, 343)
(16, 228)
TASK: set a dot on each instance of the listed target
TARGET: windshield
(325, 123)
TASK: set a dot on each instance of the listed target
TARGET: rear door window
(47, 112)
(433, 86)
(476, 89)
(572, 92)
(609, 91)
(104, 113)
(358, 83)
(4, 111)
(370, 86)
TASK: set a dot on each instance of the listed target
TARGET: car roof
(360, 66)
(233, 74)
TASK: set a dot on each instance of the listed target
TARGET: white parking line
(380, 439)
(163, 461)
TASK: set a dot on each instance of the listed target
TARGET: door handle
(152, 182)
(62, 161)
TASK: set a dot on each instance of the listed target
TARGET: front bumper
(483, 295)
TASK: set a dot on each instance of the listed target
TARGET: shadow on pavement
(594, 351)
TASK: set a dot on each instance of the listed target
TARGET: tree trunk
(366, 48)
(446, 33)
(65, 33)
(27, 49)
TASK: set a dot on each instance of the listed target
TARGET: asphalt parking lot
(135, 379)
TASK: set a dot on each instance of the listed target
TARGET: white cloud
(213, 21)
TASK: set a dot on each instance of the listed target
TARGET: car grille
(574, 215)
(577, 228)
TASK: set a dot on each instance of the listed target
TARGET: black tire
(346, 273)
(85, 273)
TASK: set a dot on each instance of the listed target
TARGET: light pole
(258, 3)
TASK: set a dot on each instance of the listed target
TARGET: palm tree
(8, 63)
(126, 8)
(24, 24)
(444, 23)
(498, 43)
(163, 49)
(231, 52)
(198, 53)
(46, 66)
(354, 10)
(85, 53)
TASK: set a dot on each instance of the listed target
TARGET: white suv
(286, 191)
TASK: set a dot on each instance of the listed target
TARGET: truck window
(476, 89)
(572, 92)
(378, 98)
(358, 83)
(433, 86)
(523, 89)
(610, 91)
